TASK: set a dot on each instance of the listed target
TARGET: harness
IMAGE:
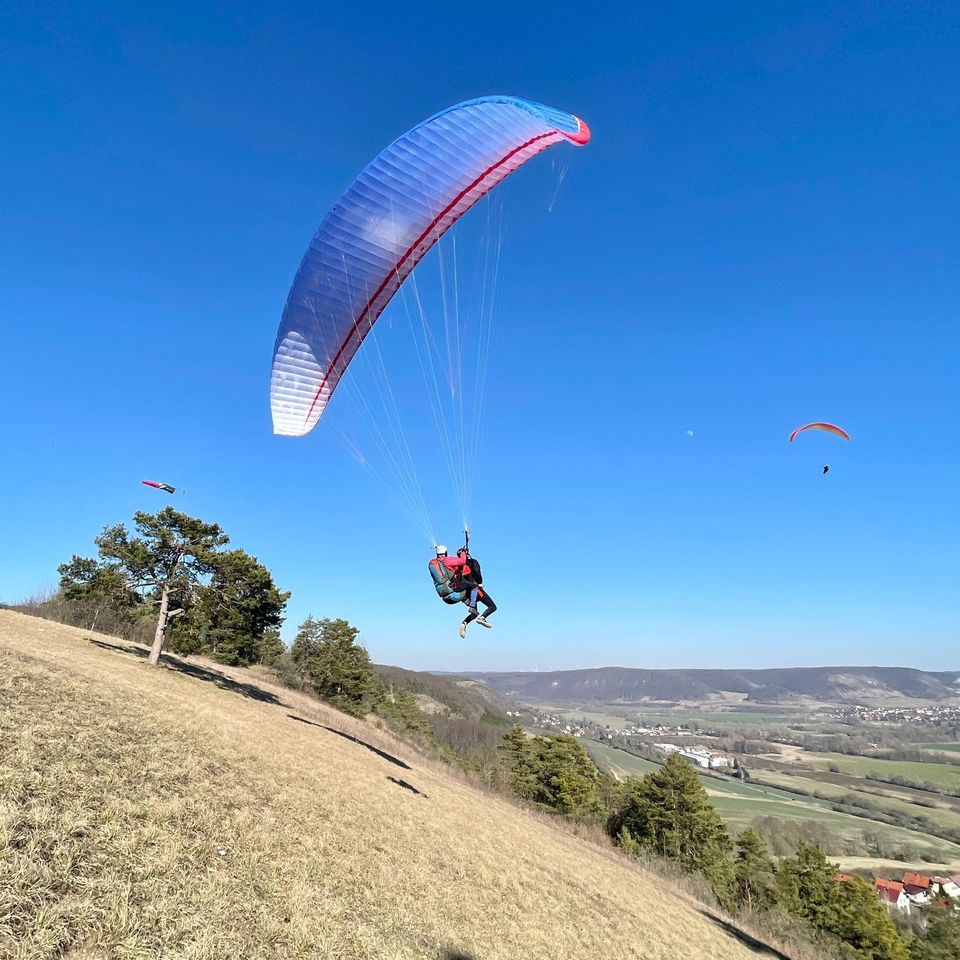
(443, 581)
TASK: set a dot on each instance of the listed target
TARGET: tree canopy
(754, 871)
(174, 562)
(326, 652)
(809, 888)
(235, 616)
(670, 812)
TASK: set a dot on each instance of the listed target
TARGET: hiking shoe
(463, 630)
(483, 622)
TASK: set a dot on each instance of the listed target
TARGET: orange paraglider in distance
(828, 427)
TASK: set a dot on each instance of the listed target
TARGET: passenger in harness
(472, 573)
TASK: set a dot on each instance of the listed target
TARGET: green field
(950, 745)
(892, 801)
(739, 803)
(619, 762)
(624, 764)
(736, 795)
(601, 719)
(713, 718)
(944, 775)
(723, 716)
(740, 812)
(753, 792)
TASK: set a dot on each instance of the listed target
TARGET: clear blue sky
(763, 231)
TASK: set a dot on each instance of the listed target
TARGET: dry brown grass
(155, 813)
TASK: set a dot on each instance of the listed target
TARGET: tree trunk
(161, 633)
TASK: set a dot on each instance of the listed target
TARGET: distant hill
(464, 696)
(628, 685)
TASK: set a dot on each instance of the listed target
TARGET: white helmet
(441, 550)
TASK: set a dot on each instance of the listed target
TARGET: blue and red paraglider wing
(381, 228)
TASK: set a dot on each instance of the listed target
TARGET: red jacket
(452, 563)
(461, 563)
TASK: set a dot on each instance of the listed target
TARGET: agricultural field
(601, 719)
(885, 797)
(620, 763)
(887, 868)
(741, 803)
(741, 811)
(944, 775)
(878, 820)
(623, 764)
(725, 716)
(796, 771)
(721, 718)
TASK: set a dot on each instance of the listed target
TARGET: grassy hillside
(190, 812)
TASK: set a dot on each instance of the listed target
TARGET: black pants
(465, 587)
(487, 602)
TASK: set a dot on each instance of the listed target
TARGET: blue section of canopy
(382, 226)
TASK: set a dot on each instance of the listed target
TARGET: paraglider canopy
(380, 229)
(828, 427)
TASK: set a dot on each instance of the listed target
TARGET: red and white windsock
(159, 486)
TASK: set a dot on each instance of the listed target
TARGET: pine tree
(670, 812)
(306, 644)
(867, 926)
(613, 792)
(754, 871)
(517, 755)
(98, 588)
(165, 564)
(232, 613)
(337, 667)
(808, 888)
(567, 779)
(941, 939)
(270, 647)
(626, 843)
(400, 708)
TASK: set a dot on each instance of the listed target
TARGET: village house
(949, 886)
(918, 888)
(892, 895)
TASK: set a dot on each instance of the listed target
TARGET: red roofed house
(951, 886)
(917, 887)
(892, 895)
